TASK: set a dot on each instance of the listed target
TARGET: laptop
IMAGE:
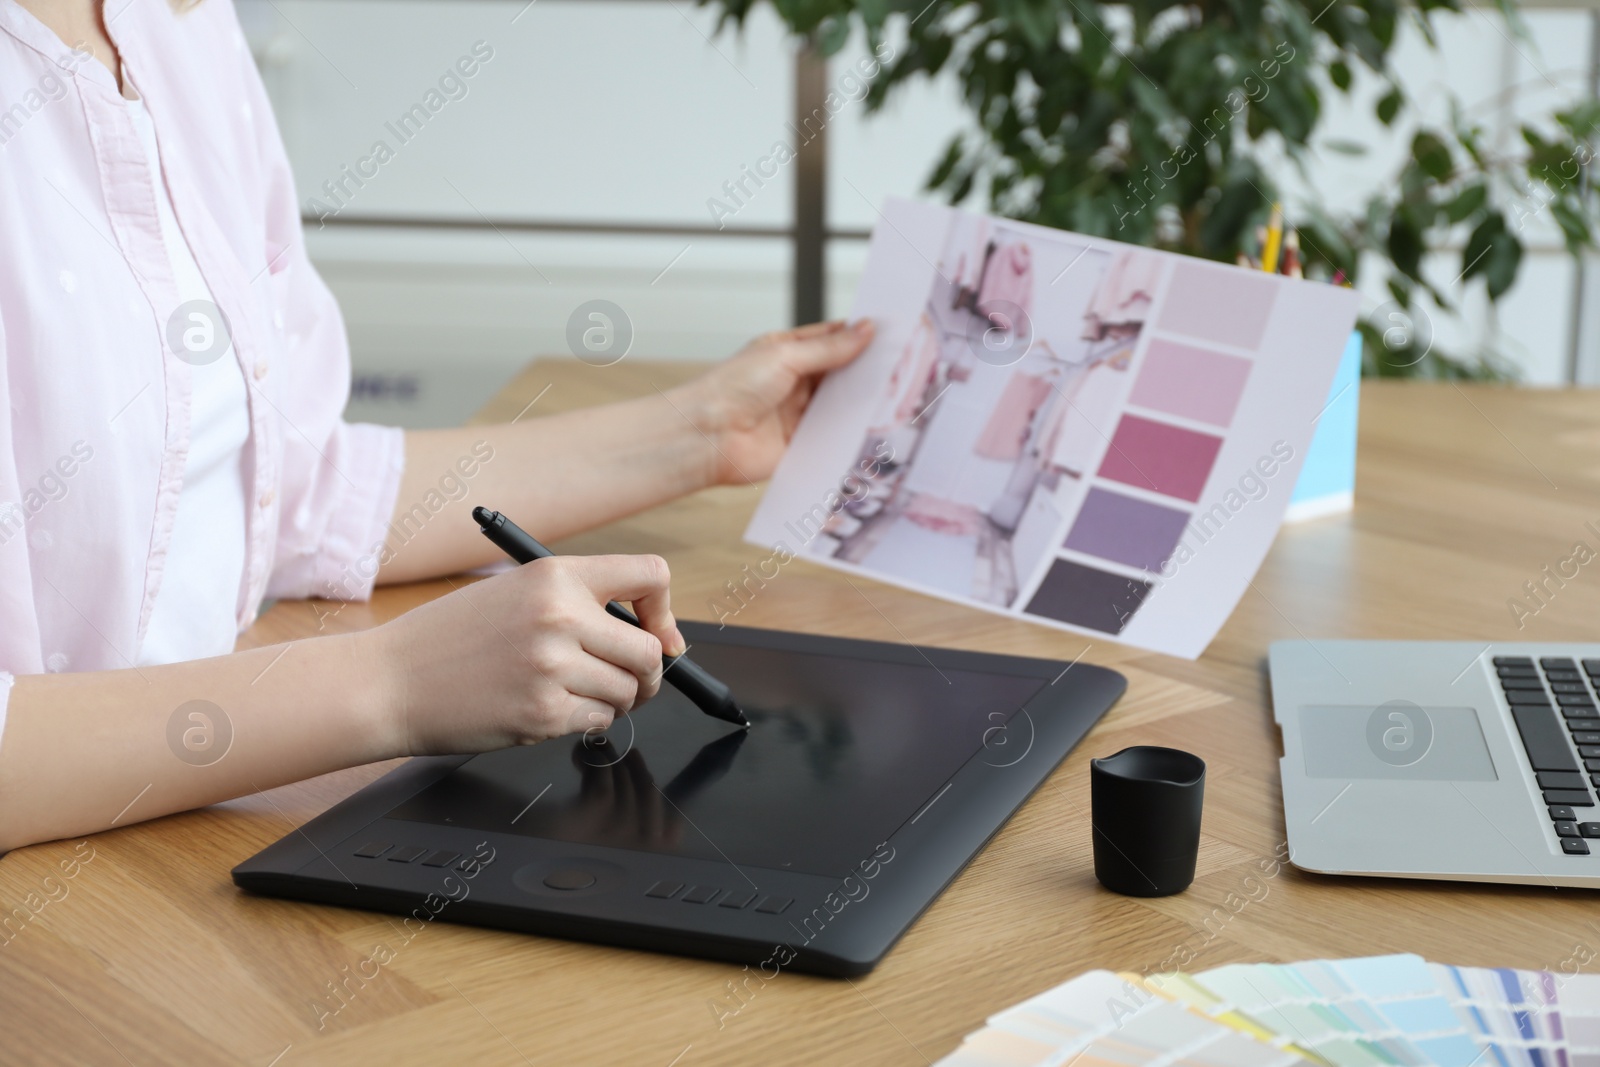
(1440, 759)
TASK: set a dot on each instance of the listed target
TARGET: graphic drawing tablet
(871, 774)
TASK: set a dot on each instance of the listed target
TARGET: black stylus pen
(686, 676)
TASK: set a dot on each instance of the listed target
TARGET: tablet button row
(705, 894)
(408, 854)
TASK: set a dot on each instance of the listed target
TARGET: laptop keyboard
(1552, 702)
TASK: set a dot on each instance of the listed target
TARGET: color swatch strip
(1101, 1019)
(1376, 1010)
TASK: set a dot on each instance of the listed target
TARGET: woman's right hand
(526, 655)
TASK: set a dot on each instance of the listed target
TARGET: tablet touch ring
(569, 879)
(568, 876)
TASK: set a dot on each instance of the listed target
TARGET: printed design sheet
(1090, 435)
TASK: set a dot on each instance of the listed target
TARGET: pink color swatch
(1213, 302)
(1192, 382)
(1161, 458)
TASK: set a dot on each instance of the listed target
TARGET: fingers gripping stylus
(682, 673)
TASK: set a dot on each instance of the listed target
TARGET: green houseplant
(1162, 123)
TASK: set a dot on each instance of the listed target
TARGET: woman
(164, 467)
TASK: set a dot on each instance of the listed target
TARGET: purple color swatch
(1219, 303)
(1161, 458)
(1191, 382)
(1084, 596)
(1124, 530)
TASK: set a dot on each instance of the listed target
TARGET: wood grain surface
(134, 946)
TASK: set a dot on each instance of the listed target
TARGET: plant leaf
(1432, 156)
(1505, 256)
(1225, 222)
(1389, 106)
(1475, 255)
(832, 34)
(1467, 202)
(1405, 246)
(1575, 227)
(947, 164)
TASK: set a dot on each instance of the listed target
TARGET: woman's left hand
(749, 406)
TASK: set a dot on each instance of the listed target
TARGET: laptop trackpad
(1397, 739)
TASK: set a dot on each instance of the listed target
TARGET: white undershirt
(196, 608)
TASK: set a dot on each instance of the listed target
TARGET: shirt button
(57, 662)
(261, 370)
(267, 498)
(277, 319)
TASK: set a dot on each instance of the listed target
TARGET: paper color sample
(1100, 1019)
(1350, 1013)
(1093, 436)
(1160, 458)
(1360, 1012)
(1514, 1016)
(1190, 382)
(1126, 530)
(1084, 596)
(1578, 1000)
(1213, 307)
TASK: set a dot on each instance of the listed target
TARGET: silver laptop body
(1406, 758)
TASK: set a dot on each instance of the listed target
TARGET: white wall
(638, 111)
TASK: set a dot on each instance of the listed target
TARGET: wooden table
(149, 955)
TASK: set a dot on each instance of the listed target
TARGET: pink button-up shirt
(94, 407)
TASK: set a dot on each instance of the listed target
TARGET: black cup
(1145, 805)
